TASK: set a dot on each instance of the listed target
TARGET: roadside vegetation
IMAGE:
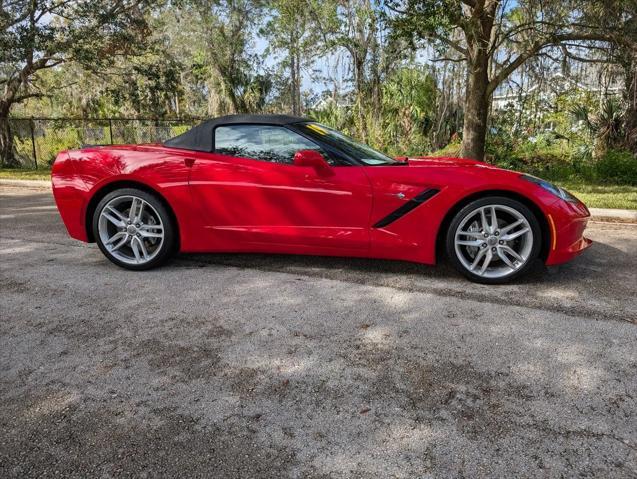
(545, 87)
(25, 174)
(603, 196)
(593, 195)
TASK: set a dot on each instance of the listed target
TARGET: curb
(39, 184)
(597, 214)
(613, 216)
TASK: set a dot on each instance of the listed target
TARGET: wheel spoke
(494, 220)
(116, 212)
(115, 237)
(143, 249)
(151, 231)
(487, 261)
(112, 218)
(513, 253)
(515, 234)
(123, 241)
(469, 242)
(149, 226)
(477, 258)
(149, 234)
(504, 258)
(134, 243)
(140, 212)
(508, 228)
(483, 219)
(472, 234)
(135, 210)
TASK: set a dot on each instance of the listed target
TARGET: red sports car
(282, 184)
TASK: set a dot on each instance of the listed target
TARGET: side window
(261, 142)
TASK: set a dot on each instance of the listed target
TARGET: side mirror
(314, 159)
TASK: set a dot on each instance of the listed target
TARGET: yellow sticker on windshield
(316, 128)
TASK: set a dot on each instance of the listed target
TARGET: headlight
(556, 190)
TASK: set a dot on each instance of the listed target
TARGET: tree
(619, 19)
(350, 25)
(494, 39)
(358, 28)
(147, 86)
(36, 35)
(409, 97)
(226, 29)
(291, 29)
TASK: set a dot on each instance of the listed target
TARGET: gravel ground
(278, 366)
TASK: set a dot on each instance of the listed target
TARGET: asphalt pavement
(288, 366)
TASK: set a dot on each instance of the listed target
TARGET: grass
(594, 195)
(603, 196)
(25, 174)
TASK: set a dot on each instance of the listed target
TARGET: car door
(255, 198)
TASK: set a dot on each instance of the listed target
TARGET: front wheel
(493, 240)
(133, 229)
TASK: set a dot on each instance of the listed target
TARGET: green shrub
(617, 166)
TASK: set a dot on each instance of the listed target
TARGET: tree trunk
(7, 154)
(375, 72)
(630, 117)
(293, 78)
(478, 33)
(476, 109)
(297, 92)
(238, 105)
(359, 85)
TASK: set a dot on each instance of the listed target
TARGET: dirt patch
(77, 440)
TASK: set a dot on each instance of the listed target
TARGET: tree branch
(26, 96)
(450, 43)
(449, 59)
(536, 47)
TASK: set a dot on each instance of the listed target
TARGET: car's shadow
(600, 262)
(339, 267)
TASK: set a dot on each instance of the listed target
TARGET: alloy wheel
(493, 241)
(131, 229)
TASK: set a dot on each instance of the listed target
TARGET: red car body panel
(255, 204)
(229, 204)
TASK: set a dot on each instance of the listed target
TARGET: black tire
(163, 252)
(494, 200)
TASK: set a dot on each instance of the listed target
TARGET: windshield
(359, 151)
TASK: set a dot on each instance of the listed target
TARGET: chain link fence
(37, 141)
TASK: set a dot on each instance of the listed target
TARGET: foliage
(618, 166)
(405, 76)
(406, 114)
(338, 118)
(603, 195)
(605, 124)
(570, 141)
(409, 97)
(292, 31)
(147, 87)
(36, 35)
(25, 174)
(495, 39)
(225, 29)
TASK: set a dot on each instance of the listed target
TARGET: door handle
(189, 162)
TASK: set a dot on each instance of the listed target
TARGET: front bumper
(567, 222)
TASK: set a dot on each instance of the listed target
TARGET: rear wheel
(493, 240)
(133, 229)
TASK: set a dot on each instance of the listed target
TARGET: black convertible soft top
(199, 138)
